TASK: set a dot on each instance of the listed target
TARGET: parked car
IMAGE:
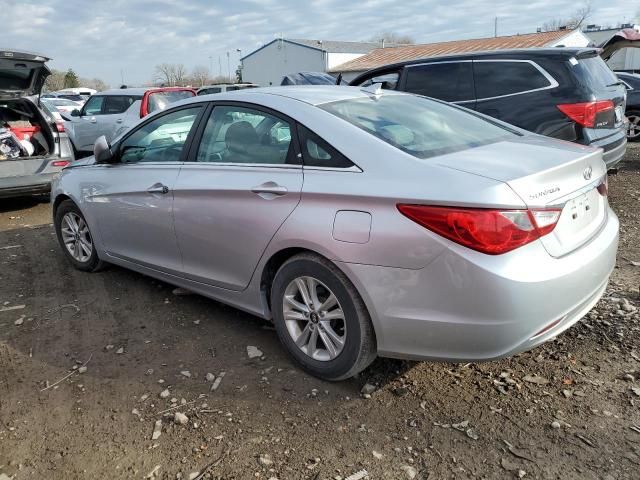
(62, 104)
(309, 78)
(83, 92)
(565, 93)
(415, 234)
(79, 99)
(224, 87)
(113, 112)
(632, 84)
(33, 144)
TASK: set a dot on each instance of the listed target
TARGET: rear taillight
(488, 231)
(60, 127)
(603, 186)
(585, 113)
(60, 163)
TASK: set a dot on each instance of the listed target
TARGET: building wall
(573, 39)
(336, 59)
(268, 65)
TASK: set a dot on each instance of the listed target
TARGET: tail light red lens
(585, 113)
(493, 232)
(60, 163)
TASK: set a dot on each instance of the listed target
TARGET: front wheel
(75, 237)
(633, 129)
(321, 319)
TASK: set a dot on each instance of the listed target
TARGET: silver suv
(33, 143)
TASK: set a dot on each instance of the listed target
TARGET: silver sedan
(361, 222)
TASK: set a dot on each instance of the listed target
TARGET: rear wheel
(321, 319)
(633, 129)
(75, 237)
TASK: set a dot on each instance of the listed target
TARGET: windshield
(160, 100)
(416, 125)
(15, 79)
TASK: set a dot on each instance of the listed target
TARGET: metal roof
(389, 55)
(329, 46)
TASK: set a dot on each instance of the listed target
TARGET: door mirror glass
(102, 150)
(75, 112)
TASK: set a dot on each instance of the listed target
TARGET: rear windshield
(418, 126)
(595, 73)
(15, 79)
(160, 100)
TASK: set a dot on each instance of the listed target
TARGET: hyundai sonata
(361, 222)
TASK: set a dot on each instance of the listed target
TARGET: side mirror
(102, 151)
(75, 112)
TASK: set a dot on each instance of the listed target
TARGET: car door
(132, 198)
(243, 180)
(113, 115)
(84, 126)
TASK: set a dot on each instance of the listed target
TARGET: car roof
(515, 53)
(311, 94)
(139, 91)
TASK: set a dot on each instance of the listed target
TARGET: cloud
(114, 39)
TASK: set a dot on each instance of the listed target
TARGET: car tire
(344, 341)
(634, 116)
(76, 243)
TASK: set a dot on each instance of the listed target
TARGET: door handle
(93, 120)
(270, 188)
(119, 120)
(158, 188)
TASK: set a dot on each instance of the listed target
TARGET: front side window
(318, 153)
(161, 140)
(416, 125)
(495, 79)
(451, 82)
(93, 105)
(244, 135)
(388, 81)
(114, 104)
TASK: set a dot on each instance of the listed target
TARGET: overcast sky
(114, 39)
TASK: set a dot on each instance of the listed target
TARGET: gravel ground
(94, 367)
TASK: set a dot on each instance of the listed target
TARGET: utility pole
(220, 64)
(228, 66)
(211, 65)
(495, 27)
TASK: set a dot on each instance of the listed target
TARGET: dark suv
(632, 84)
(565, 93)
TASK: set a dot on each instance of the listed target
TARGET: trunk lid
(546, 173)
(21, 74)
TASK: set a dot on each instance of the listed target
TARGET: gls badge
(587, 173)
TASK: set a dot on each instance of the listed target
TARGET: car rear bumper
(466, 306)
(25, 185)
(614, 148)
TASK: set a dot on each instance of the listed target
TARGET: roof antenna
(374, 89)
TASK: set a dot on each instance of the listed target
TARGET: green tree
(71, 79)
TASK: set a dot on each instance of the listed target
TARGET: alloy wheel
(76, 237)
(314, 318)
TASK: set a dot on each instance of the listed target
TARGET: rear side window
(595, 73)
(114, 104)
(495, 79)
(318, 153)
(451, 82)
(160, 100)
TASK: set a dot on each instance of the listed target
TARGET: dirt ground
(569, 409)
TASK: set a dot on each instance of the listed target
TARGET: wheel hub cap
(76, 237)
(314, 318)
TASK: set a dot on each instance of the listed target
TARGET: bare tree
(199, 76)
(575, 20)
(180, 74)
(393, 38)
(55, 81)
(94, 83)
(164, 74)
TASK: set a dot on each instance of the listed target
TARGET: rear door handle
(119, 120)
(158, 188)
(93, 120)
(270, 188)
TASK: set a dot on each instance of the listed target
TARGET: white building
(282, 56)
